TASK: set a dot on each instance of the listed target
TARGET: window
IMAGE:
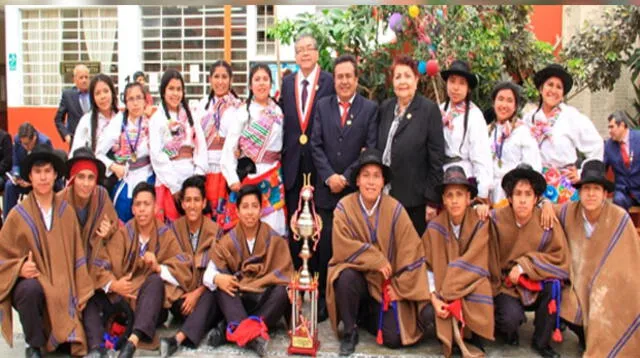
(51, 36)
(192, 37)
(265, 19)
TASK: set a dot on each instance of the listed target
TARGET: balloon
(422, 67)
(432, 68)
(414, 11)
(395, 22)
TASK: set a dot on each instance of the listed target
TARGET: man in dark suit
(619, 153)
(343, 126)
(299, 94)
(6, 156)
(74, 103)
(26, 139)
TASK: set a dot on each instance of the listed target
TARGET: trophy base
(310, 349)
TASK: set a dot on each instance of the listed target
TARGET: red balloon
(432, 68)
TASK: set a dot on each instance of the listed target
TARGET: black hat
(42, 152)
(554, 70)
(524, 171)
(371, 156)
(594, 171)
(517, 92)
(84, 153)
(461, 68)
(454, 175)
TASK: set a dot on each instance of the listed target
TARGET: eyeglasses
(305, 50)
(135, 99)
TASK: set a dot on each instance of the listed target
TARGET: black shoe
(476, 341)
(323, 314)
(31, 352)
(217, 335)
(545, 352)
(168, 346)
(514, 340)
(97, 353)
(348, 343)
(127, 351)
(258, 345)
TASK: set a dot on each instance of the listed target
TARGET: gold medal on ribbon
(134, 157)
(303, 139)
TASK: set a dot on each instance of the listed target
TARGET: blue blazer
(335, 149)
(19, 153)
(295, 155)
(626, 179)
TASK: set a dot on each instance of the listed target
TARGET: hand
(22, 183)
(105, 227)
(190, 300)
(440, 307)
(227, 283)
(571, 173)
(483, 211)
(123, 287)
(150, 260)
(514, 274)
(392, 293)
(430, 213)
(148, 111)
(548, 215)
(484, 201)
(118, 170)
(336, 183)
(67, 138)
(235, 186)
(29, 269)
(386, 270)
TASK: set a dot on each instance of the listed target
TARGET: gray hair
(620, 117)
(79, 67)
(306, 35)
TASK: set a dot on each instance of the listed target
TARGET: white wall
(129, 42)
(13, 32)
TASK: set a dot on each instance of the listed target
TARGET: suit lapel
(76, 100)
(387, 119)
(355, 108)
(408, 115)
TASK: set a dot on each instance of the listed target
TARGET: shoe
(32, 352)
(217, 335)
(127, 351)
(476, 341)
(258, 345)
(168, 346)
(348, 343)
(545, 352)
(514, 340)
(97, 353)
(323, 314)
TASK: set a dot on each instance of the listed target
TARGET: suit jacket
(295, 155)
(417, 153)
(19, 153)
(627, 180)
(6, 152)
(70, 110)
(335, 149)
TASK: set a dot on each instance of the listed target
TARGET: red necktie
(625, 154)
(345, 112)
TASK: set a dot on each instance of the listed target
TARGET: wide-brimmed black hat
(594, 171)
(524, 171)
(371, 156)
(84, 153)
(42, 152)
(461, 68)
(517, 92)
(454, 175)
(554, 70)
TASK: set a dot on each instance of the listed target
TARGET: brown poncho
(208, 235)
(460, 269)
(366, 244)
(60, 258)
(270, 264)
(605, 297)
(542, 254)
(99, 208)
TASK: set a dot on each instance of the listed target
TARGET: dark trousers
(147, 313)
(417, 216)
(271, 305)
(509, 315)
(579, 331)
(320, 260)
(624, 200)
(28, 299)
(201, 320)
(10, 197)
(355, 305)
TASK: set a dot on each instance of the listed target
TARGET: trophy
(306, 226)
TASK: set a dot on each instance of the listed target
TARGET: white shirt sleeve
(200, 154)
(480, 152)
(586, 137)
(530, 151)
(209, 276)
(160, 161)
(166, 275)
(229, 162)
(107, 140)
(107, 287)
(82, 136)
(432, 281)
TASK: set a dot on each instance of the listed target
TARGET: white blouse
(82, 136)
(226, 122)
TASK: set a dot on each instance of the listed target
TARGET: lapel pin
(317, 87)
(349, 122)
(409, 116)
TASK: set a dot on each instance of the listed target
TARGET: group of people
(186, 210)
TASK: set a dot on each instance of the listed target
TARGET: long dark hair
(100, 77)
(170, 74)
(254, 69)
(129, 86)
(227, 67)
(467, 102)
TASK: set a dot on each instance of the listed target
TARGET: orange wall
(40, 117)
(546, 21)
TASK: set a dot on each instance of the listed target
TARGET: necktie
(345, 112)
(84, 102)
(625, 154)
(305, 94)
